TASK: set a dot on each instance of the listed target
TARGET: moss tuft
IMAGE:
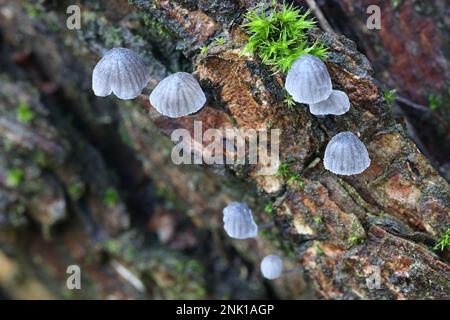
(219, 41)
(111, 197)
(24, 113)
(280, 38)
(444, 241)
(269, 207)
(389, 96)
(434, 102)
(14, 177)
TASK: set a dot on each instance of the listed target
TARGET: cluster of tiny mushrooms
(124, 73)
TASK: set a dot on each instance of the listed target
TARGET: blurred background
(88, 181)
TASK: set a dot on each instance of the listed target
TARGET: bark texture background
(89, 181)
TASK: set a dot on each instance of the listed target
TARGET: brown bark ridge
(336, 229)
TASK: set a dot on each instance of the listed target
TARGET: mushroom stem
(265, 226)
(293, 270)
(146, 91)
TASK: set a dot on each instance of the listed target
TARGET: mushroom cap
(120, 71)
(308, 80)
(337, 104)
(178, 95)
(346, 155)
(271, 267)
(238, 221)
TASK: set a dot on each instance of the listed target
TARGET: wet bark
(164, 223)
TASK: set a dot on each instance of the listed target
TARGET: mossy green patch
(354, 239)
(24, 113)
(219, 41)
(396, 4)
(32, 9)
(288, 100)
(280, 38)
(283, 169)
(269, 207)
(434, 102)
(444, 241)
(203, 50)
(76, 191)
(14, 177)
(389, 95)
(292, 178)
(111, 197)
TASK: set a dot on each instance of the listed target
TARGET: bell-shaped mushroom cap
(271, 267)
(120, 71)
(337, 104)
(238, 221)
(308, 80)
(345, 154)
(178, 95)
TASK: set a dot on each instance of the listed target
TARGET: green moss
(434, 102)
(14, 177)
(269, 207)
(111, 197)
(76, 191)
(155, 26)
(319, 251)
(318, 219)
(283, 169)
(24, 113)
(389, 96)
(292, 178)
(356, 232)
(219, 41)
(288, 100)
(444, 241)
(203, 50)
(113, 246)
(396, 3)
(280, 38)
(354, 239)
(32, 9)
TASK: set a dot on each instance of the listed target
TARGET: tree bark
(165, 226)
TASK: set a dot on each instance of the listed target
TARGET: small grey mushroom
(238, 221)
(308, 80)
(271, 267)
(346, 155)
(122, 72)
(178, 95)
(336, 104)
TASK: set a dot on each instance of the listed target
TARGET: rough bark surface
(165, 225)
